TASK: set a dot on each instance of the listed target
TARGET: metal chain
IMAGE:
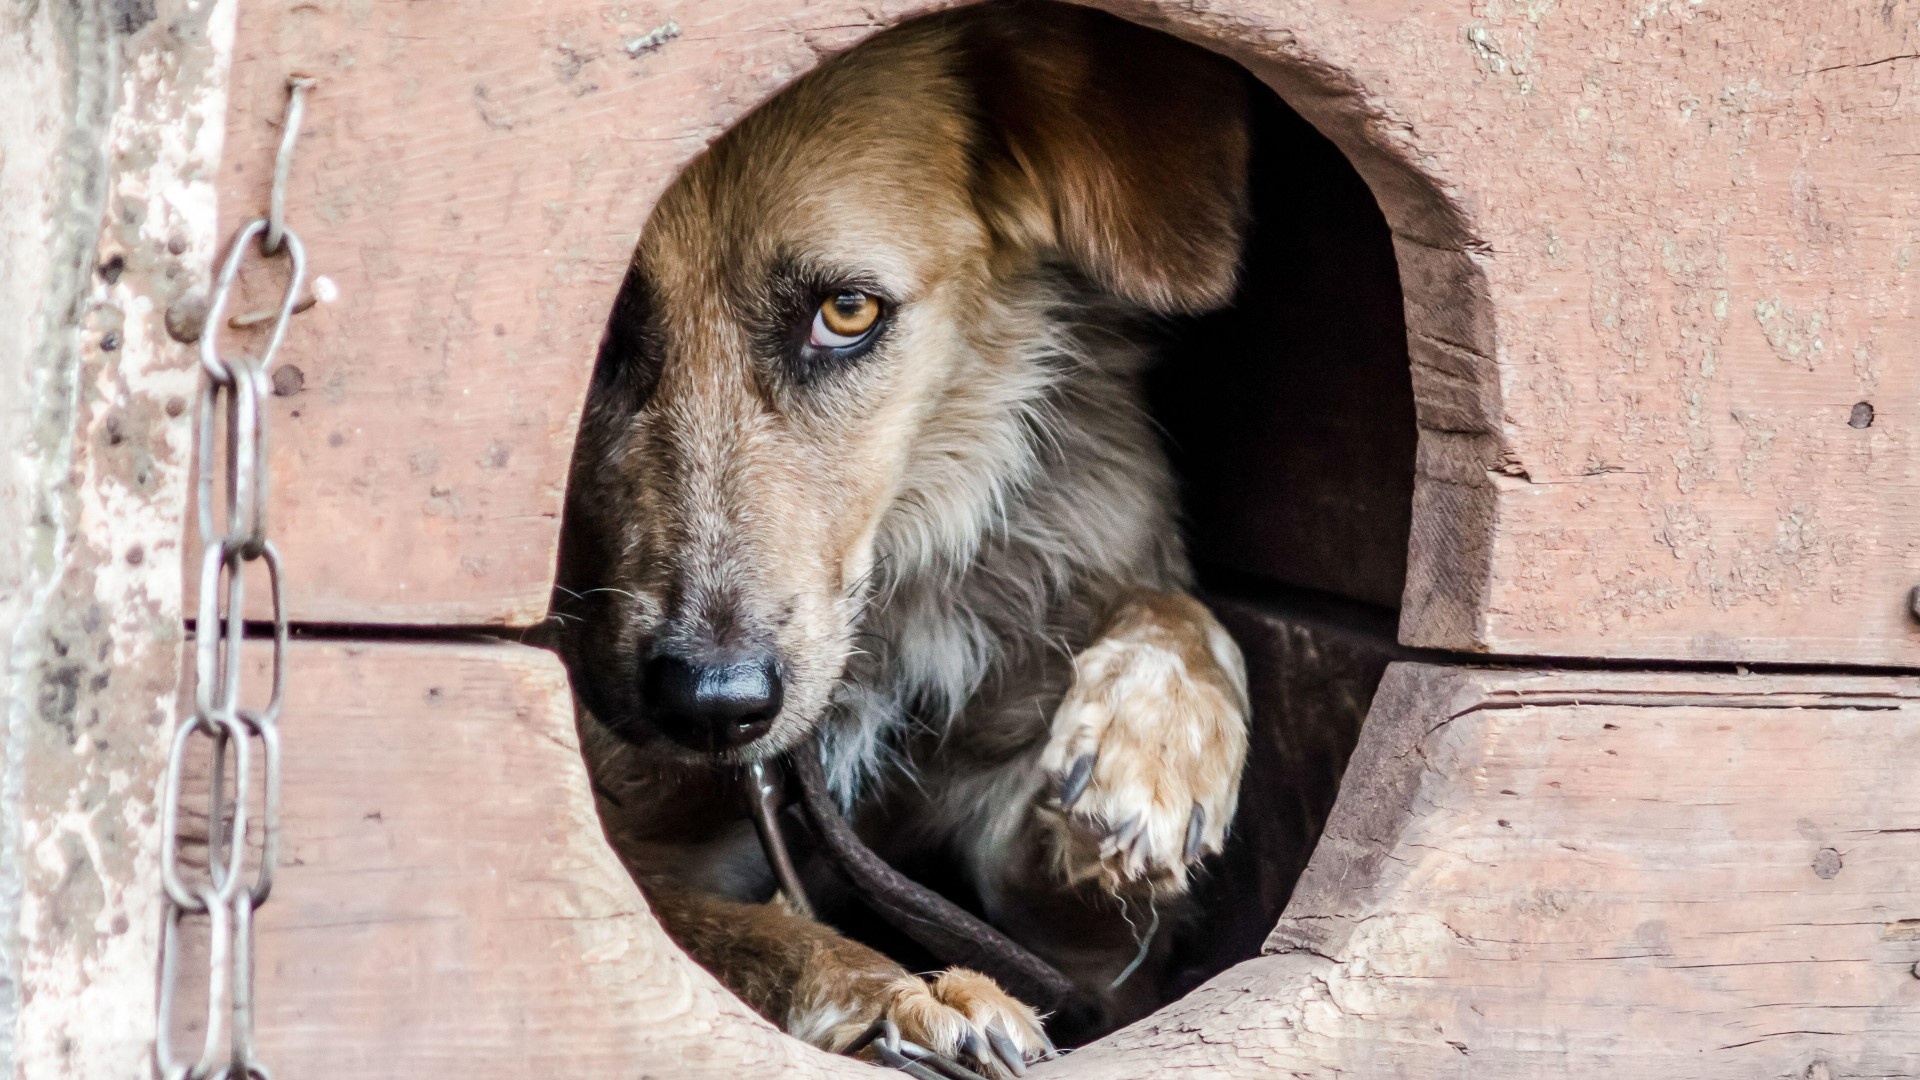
(234, 533)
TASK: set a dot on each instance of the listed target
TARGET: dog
(864, 471)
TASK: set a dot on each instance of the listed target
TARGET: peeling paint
(1794, 335)
(93, 633)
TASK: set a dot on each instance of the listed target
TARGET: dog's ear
(1118, 149)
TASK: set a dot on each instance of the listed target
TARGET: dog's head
(825, 326)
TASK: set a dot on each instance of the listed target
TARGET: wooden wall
(1528, 873)
(1656, 270)
(1652, 260)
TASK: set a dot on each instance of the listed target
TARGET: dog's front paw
(960, 1015)
(1147, 747)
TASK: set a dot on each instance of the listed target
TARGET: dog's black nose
(712, 704)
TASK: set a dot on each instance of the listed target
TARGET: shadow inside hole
(1289, 418)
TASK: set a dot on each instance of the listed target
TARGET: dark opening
(1289, 415)
(1290, 421)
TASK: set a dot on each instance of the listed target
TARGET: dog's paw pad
(1146, 752)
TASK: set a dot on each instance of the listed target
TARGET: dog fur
(960, 546)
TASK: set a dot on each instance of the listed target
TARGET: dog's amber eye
(843, 319)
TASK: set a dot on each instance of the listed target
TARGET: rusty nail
(1827, 864)
(288, 380)
(255, 318)
(187, 317)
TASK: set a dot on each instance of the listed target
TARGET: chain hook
(297, 87)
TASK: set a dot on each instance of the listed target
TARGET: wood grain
(1581, 874)
(446, 904)
(1652, 260)
(1590, 874)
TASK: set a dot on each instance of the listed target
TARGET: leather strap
(950, 932)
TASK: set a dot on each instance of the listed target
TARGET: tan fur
(941, 541)
(1160, 701)
(827, 989)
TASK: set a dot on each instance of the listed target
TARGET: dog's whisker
(608, 589)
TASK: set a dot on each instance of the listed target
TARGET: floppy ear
(1117, 149)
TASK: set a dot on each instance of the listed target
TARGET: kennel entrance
(1682, 869)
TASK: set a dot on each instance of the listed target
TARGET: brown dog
(865, 463)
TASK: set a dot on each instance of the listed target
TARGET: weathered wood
(1695, 231)
(1590, 874)
(1652, 260)
(1583, 874)
(447, 905)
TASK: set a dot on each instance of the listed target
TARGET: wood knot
(1827, 864)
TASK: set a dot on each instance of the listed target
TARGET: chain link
(221, 733)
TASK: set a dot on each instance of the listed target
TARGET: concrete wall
(110, 126)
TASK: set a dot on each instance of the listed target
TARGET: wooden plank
(1591, 874)
(1652, 261)
(1700, 317)
(1582, 874)
(1671, 259)
(1566, 873)
(447, 905)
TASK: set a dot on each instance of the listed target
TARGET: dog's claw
(947, 1067)
(1074, 784)
(958, 1025)
(971, 1047)
(1009, 1053)
(1125, 833)
(894, 1059)
(1126, 821)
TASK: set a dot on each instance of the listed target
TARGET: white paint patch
(91, 1012)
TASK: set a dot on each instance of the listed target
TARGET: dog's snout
(712, 703)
